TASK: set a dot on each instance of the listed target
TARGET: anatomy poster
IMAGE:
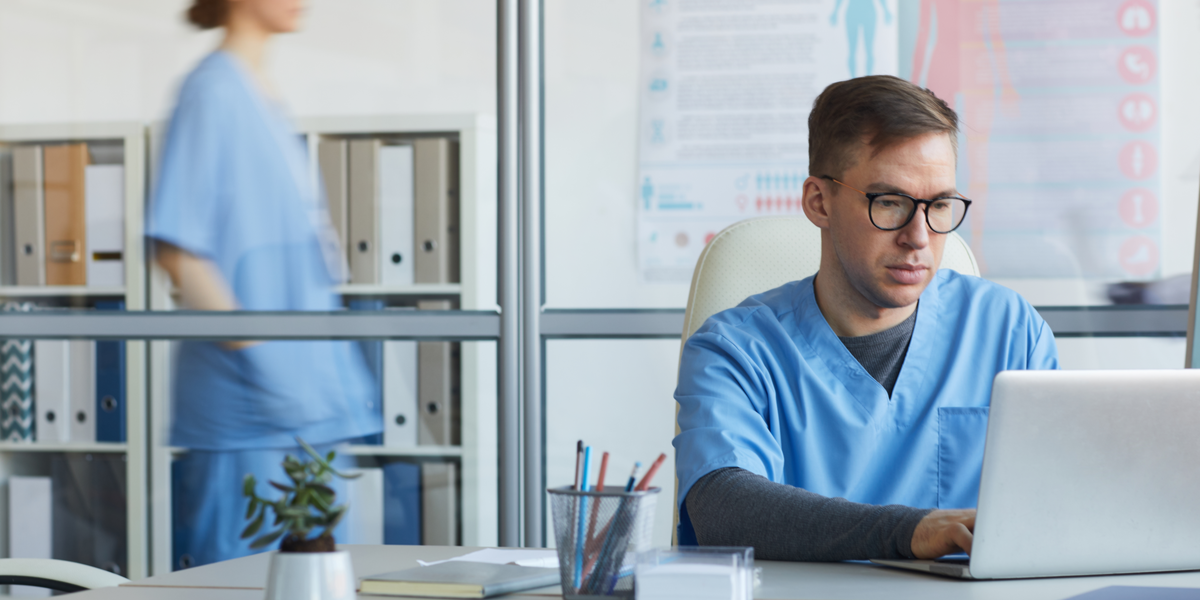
(725, 91)
(1059, 101)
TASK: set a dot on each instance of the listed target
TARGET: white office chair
(58, 575)
(756, 255)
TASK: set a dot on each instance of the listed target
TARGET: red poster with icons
(1060, 140)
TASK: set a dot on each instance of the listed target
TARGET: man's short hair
(878, 110)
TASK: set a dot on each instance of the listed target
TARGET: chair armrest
(59, 571)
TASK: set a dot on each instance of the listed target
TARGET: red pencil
(603, 468)
(645, 484)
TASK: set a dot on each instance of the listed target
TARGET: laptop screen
(1193, 357)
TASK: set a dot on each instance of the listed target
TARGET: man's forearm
(734, 507)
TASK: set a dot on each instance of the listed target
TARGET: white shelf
(132, 135)
(413, 451)
(52, 291)
(63, 447)
(419, 289)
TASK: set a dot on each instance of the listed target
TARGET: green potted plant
(308, 564)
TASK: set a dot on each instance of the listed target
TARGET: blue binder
(402, 503)
(373, 353)
(110, 384)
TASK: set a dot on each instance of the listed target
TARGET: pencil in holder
(598, 535)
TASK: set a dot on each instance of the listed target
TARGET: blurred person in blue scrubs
(239, 225)
(843, 416)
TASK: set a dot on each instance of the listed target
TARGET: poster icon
(1138, 112)
(1137, 65)
(1138, 160)
(1136, 17)
(1138, 256)
(1138, 208)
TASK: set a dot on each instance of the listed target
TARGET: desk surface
(245, 578)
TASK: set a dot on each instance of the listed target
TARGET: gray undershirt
(734, 507)
(882, 353)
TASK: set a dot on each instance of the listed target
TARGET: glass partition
(148, 169)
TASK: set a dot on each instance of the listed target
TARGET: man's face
(891, 268)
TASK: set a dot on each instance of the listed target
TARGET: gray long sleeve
(734, 507)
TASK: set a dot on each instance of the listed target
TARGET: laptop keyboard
(954, 559)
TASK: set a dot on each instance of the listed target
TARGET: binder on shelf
(364, 495)
(29, 222)
(82, 365)
(52, 390)
(435, 386)
(105, 226)
(400, 416)
(363, 191)
(402, 503)
(64, 174)
(88, 510)
(381, 192)
(396, 215)
(331, 159)
(8, 247)
(181, 528)
(110, 384)
(372, 351)
(30, 528)
(439, 504)
(17, 412)
(435, 213)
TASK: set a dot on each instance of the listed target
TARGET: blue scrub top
(235, 188)
(768, 387)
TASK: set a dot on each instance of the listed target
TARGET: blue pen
(633, 477)
(579, 541)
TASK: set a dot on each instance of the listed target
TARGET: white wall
(616, 396)
(103, 60)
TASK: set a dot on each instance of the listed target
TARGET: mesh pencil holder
(598, 535)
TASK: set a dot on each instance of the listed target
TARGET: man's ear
(816, 201)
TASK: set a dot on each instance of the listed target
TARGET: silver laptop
(1086, 473)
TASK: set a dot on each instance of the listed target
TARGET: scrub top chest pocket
(961, 434)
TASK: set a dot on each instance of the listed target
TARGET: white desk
(245, 579)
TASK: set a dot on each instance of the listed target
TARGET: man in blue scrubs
(843, 416)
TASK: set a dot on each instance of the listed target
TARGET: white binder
(83, 391)
(381, 212)
(105, 191)
(396, 215)
(30, 529)
(364, 522)
(52, 390)
(400, 417)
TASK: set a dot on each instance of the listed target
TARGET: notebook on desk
(1085, 473)
(460, 579)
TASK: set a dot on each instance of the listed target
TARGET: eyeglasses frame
(917, 202)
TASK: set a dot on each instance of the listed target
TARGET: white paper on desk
(499, 556)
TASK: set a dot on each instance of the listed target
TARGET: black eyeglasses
(890, 211)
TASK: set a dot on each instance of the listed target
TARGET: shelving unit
(11, 292)
(477, 288)
(20, 458)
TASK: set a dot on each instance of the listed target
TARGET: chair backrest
(756, 255)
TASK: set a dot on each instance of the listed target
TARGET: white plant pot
(311, 576)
